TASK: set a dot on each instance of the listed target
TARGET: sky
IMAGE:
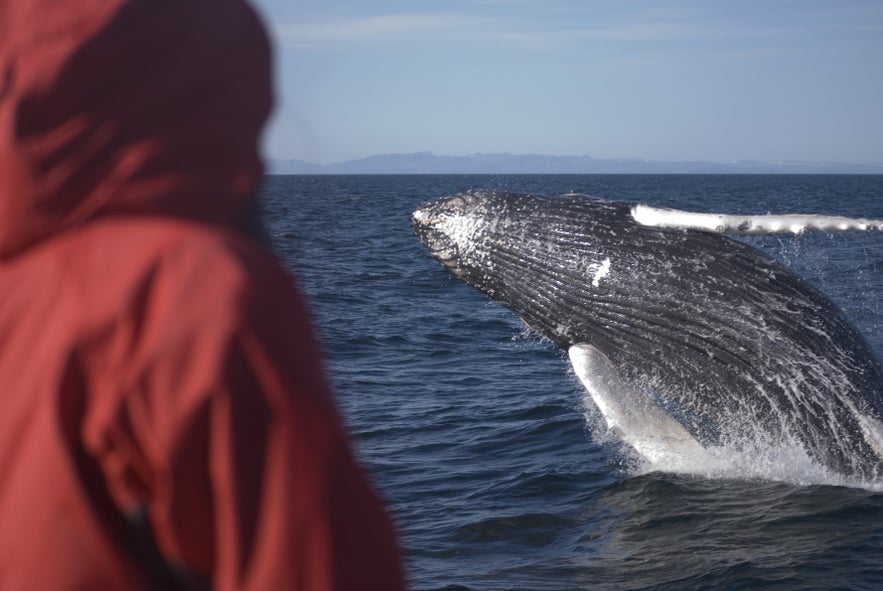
(712, 80)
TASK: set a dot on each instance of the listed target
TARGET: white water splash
(780, 462)
(788, 464)
(784, 463)
(749, 224)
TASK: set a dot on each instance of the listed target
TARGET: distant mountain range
(429, 163)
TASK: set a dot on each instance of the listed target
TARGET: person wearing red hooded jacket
(165, 422)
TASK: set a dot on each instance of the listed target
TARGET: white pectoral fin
(634, 416)
(750, 224)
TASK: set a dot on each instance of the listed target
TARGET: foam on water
(788, 464)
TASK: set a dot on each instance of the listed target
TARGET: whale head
(515, 248)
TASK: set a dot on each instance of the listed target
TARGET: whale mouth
(427, 224)
(436, 225)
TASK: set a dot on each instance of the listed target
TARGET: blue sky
(681, 80)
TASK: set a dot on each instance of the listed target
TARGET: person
(165, 420)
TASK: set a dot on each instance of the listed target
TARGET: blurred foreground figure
(164, 421)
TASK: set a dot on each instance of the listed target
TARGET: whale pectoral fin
(661, 217)
(633, 416)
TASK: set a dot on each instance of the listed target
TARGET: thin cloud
(483, 31)
(370, 29)
(480, 30)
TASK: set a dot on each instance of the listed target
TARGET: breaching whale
(684, 338)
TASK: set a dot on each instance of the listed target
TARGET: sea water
(479, 435)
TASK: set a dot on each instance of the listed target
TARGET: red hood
(127, 107)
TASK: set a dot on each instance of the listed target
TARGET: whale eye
(469, 200)
(456, 202)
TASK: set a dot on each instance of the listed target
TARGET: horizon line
(632, 159)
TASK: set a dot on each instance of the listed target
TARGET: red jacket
(163, 413)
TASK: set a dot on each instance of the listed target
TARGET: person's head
(111, 107)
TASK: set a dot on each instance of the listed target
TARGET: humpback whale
(685, 339)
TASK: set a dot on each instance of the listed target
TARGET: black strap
(160, 573)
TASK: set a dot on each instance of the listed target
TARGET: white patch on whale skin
(634, 417)
(458, 227)
(599, 271)
(747, 224)
(420, 216)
